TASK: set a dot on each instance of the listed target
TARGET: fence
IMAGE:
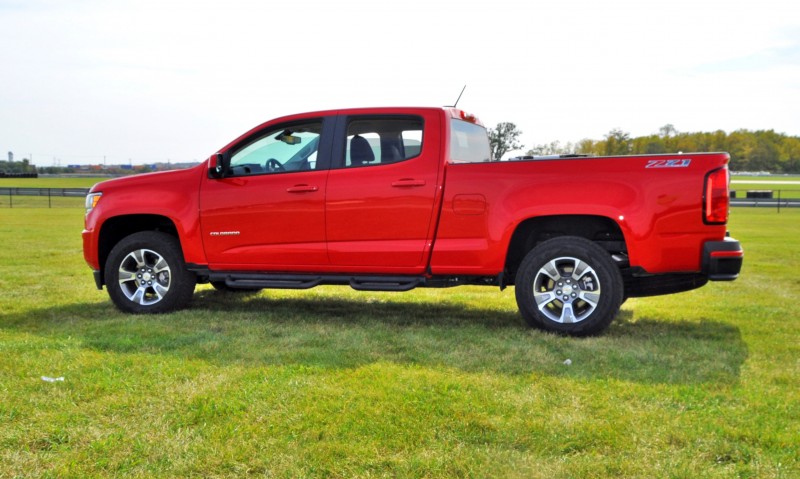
(11, 197)
(777, 199)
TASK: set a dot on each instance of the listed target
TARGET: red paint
(422, 216)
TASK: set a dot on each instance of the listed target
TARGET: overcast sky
(147, 81)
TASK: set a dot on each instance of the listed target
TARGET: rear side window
(382, 140)
(469, 143)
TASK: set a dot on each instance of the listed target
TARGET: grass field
(44, 201)
(788, 186)
(432, 383)
(50, 182)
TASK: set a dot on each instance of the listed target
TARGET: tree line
(760, 150)
(17, 168)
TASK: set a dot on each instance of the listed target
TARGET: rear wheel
(145, 273)
(569, 285)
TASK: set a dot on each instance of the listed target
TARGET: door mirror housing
(217, 166)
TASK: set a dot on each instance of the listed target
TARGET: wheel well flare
(119, 227)
(531, 232)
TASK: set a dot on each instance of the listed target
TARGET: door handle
(301, 189)
(408, 182)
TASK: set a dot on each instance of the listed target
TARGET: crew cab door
(268, 211)
(382, 192)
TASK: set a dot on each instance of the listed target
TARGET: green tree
(790, 155)
(648, 145)
(686, 142)
(764, 157)
(667, 131)
(762, 150)
(553, 148)
(503, 138)
(740, 144)
(617, 143)
(587, 147)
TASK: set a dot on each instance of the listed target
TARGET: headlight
(91, 201)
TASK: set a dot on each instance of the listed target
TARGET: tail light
(716, 199)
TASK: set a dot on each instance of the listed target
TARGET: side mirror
(217, 166)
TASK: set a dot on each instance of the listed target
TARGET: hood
(150, 180)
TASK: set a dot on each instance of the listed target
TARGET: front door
(268, 212)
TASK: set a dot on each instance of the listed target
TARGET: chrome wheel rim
(144, 277)
(566, 290)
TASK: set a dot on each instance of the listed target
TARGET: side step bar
(294, 281)
(386, 283)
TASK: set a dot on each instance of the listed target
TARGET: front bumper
(722, 260)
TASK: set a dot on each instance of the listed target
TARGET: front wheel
(145, 273)
(569, 285)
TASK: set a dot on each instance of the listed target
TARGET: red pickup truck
(389, 199)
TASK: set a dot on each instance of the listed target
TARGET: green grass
(80, 182)
(433, 383)
(741, 184)
(44, 201)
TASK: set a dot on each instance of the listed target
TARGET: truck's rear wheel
(569, 285)
(145, 273)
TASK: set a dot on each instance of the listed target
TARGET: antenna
(459, 96)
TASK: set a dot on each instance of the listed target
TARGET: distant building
(10, 156)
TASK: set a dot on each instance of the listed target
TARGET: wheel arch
(116, 228)
(600, 229)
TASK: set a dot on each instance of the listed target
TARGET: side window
(469, 143)
(382, 140)
(282, 149)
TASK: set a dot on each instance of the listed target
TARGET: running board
(386, 283)
(294, 281)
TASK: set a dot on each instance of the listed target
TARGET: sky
(85, 81)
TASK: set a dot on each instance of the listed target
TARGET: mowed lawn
(49, 182)
(432, 383)
(784, 187)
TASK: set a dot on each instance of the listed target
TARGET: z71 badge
(668, 163)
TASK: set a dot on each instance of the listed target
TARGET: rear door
(382, 192)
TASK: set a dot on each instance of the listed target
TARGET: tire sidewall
(182, 282)
(608, 275)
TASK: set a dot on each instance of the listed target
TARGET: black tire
(569, 285)
(145, 273)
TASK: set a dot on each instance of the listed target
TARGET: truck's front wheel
(569, 285)
(145, 273)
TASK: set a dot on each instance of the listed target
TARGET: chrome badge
(682, 163)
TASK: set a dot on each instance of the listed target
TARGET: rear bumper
(722, 260)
